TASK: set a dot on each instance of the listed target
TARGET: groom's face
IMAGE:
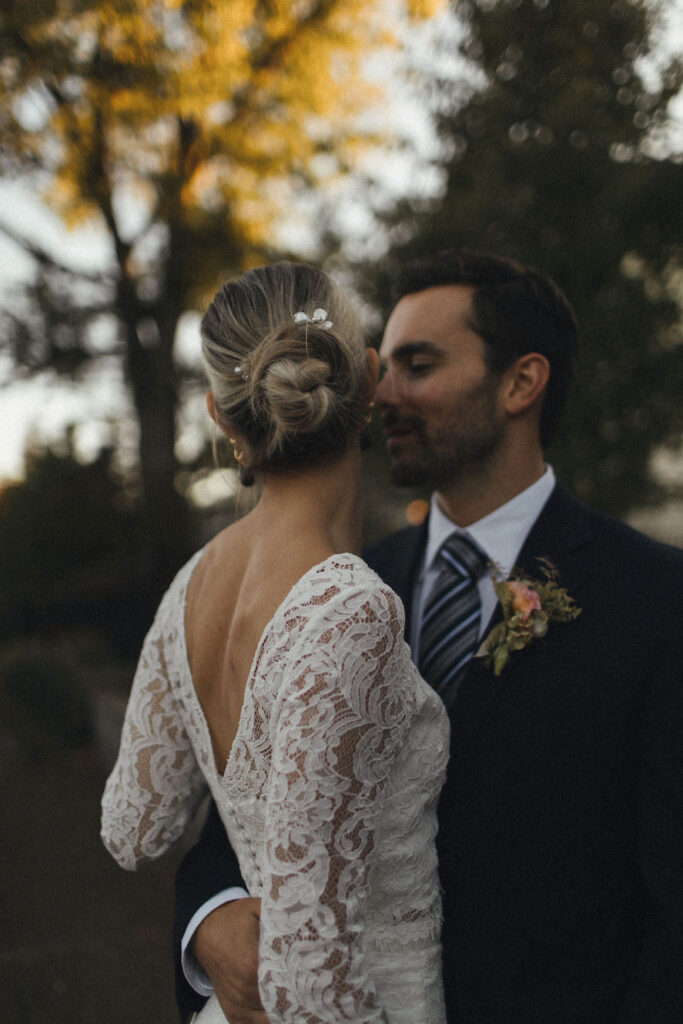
(440, 403)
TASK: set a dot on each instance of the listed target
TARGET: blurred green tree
(184, 130)
(558, 157)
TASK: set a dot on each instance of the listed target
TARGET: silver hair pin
(241, 373)
(319, 318)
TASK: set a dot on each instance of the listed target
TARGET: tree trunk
(154, 384)
(166, 515)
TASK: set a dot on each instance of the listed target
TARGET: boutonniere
(529, 606)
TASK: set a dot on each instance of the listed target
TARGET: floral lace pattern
(328, 796)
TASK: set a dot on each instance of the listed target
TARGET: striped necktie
(449, 633)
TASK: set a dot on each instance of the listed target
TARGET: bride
(276, 674)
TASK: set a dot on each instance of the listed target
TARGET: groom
(561, 822)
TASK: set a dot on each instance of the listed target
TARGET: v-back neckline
(222, 774)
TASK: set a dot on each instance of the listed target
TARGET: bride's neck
(320, 506)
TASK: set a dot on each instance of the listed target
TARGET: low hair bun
(297, 396)
(294, 387)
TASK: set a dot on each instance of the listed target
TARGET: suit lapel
(562, 529)
(560, 532)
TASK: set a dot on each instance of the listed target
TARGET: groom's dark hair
(515, 310)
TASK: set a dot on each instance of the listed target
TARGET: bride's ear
(211, 406)
(215, 415)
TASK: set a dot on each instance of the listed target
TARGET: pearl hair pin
(319, 319)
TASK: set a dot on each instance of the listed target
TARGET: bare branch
(45, 259)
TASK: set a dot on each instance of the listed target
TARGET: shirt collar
(502, 532)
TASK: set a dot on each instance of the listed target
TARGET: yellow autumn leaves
(209, 104)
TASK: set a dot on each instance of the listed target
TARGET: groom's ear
(524, 383)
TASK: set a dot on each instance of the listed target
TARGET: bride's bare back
(243, 577)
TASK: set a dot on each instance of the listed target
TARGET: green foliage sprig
(529, 606)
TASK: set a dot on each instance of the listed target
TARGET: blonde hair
(295, 391)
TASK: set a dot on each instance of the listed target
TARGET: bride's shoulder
(348, 570)
(345, 585)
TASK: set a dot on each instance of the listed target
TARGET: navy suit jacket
(561, 821)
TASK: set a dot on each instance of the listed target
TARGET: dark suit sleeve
(208, 868)
(656, 989)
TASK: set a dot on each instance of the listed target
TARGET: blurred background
(149, 149)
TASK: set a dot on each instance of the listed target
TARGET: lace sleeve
(156, 784)
(336, 727)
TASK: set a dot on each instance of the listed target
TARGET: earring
(238, 452)
(368, 415)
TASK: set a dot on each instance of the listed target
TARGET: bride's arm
(155, 785)
(337, 726)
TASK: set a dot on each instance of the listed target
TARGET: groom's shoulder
(619, 543)
(649, 560)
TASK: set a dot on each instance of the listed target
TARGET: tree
(558, 158)
(184, 129)
(73, 553)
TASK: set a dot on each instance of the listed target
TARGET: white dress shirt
(500, 535)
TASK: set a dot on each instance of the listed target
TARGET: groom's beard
(437, 456)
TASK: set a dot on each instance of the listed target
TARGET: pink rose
(524, 599)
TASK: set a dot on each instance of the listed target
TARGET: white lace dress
(328, 796)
